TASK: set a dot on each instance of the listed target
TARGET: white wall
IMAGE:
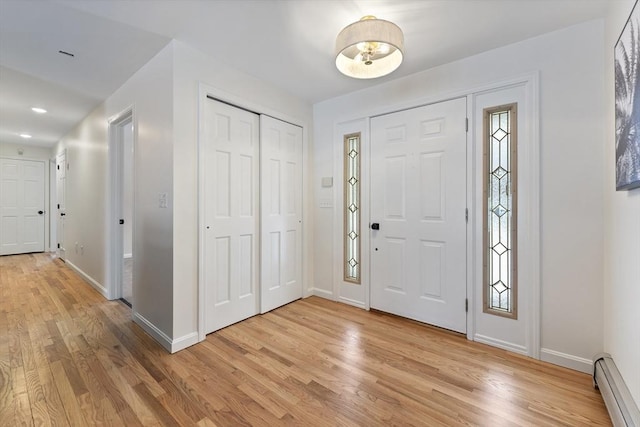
(192, 68)
(150, 93)
(86, 202)
(571, 64)
(622, 236)
(30, 152)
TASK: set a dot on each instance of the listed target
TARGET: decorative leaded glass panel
(500, 210)
(352, 208)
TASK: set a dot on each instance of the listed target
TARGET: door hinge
(466, 305)
(466, 124)
(58, 167)
(58, 245)
(58, 205)
(466, 215)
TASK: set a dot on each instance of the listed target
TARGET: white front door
(61, 195)
(231, 153)
(418, 198)
(281, 191)
(21, 206)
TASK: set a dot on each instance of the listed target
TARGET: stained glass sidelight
(352, 208)
(500, 210)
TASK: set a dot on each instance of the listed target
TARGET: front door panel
(418, 196)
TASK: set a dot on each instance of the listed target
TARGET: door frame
(115, 250)
(206, 91)
(360, 122)
(51, 212)
(60, 232)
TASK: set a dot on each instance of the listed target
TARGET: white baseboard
(184, 342)
(152, 330)
(505, 345)
(90, 280)
(127, 256)
(163, 339)
(322, 293)
(567, 360)
(307, 292)
(352, 302)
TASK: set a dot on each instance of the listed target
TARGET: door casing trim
(115, 191)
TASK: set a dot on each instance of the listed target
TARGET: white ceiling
(286, 43)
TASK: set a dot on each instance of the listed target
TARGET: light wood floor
(68, 357)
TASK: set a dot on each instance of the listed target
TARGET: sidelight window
(500, 210)
(352, 207)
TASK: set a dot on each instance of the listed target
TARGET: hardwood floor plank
(37, 399)
(68, 397)
(156, 406)
(176, 397)
(69, 357)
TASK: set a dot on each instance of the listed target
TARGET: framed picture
(627, 92)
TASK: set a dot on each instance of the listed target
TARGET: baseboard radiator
(606, 377)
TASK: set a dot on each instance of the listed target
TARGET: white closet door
(231, 149)
(281, 212)
(21, 206)
(418, 197)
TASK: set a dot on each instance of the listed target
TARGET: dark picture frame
(627, 103)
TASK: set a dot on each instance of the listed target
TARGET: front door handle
(40, 212)
(62, 214)
(375, 226)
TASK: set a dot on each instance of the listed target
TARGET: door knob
(40, 212)
(375, 226)
(62, 214)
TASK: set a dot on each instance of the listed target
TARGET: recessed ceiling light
(25, 135)
(38, 110)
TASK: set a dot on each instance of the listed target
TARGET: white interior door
(61, 195)
(231, 149)
(21, 206)
(418, 198)
(281, 216)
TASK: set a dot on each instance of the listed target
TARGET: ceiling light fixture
(38, 110)
(369, 48)
(25, 135)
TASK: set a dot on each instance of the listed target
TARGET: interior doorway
(122, 146)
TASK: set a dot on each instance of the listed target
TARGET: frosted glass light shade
(369, 48)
